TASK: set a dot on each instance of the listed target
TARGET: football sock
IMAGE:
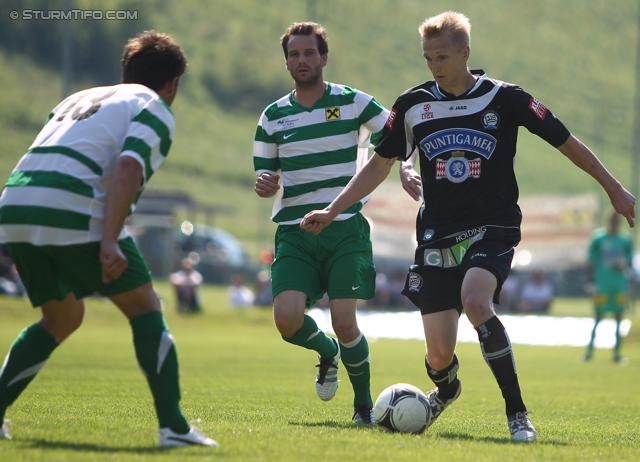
(497, 352)
(27, 355)
(158, 361)
(357, 362)
(447, 379)
(311, 337)
(616, 348)
(593, 336)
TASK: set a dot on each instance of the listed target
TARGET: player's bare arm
(410, 179)
(622, 200)
(364, 182)
(123, 188)
(267, 185)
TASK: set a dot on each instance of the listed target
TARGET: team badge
(490, 120)
(457, 168)
(428, 234)
(415, 282)
(332, 113)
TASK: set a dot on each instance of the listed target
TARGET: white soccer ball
(402, 408)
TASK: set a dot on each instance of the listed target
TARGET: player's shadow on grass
(89, 447)
(488, 439)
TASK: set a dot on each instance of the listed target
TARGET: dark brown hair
(152, 59)
(306, 28)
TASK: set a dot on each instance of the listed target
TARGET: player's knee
(288, 322)
(62, 324)
(346, 329)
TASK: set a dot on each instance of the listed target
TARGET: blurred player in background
(464, 126)
(610, 258)
(314, 140)
(62, 213)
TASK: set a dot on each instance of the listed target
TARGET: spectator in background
(186, 282)
(536, 294)
(240, 296)
(262, 289)
(610, 257)
(510, 292)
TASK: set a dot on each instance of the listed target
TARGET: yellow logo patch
(332, 113)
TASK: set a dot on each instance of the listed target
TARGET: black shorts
(434, 282)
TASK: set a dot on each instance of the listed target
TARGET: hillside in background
(576, 56)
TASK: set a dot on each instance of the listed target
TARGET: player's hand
(624, 203)
(112, 260)
(315, 221)
(267, 185)
(411, 182)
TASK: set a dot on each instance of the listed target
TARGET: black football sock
(447, 379)
(497, 352)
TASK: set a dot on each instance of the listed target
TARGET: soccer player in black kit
(464, 127)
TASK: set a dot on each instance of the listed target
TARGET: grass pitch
(246, 388)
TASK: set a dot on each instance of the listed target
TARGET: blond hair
(455, 24)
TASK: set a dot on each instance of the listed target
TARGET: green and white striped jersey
(316, 150)
(56, 194)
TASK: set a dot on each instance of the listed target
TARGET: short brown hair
(152, 59)
(306, 28)
(457, 25)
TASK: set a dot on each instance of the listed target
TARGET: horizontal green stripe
(43, 216)
(321, 159)
(260, 163)
(372, 110)
(141, 147)
(294, 191)
(261, 135)
(95, 168)
(147, 118)
(343, 99)
(299, 211)
(47, 179)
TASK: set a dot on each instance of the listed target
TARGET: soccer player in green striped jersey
(315, 140)
(62, 215)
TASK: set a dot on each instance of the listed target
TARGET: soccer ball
(402, 408)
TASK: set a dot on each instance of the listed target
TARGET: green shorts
(338, 261)
(50, 272)
(610, 302)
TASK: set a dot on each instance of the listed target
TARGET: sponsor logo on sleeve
(538, 108)
(391, 119)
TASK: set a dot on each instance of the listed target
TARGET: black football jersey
(466, 146)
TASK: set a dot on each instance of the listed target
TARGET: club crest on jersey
(457, 168)
(458, 139)
(490, 120)
(415, 282)
(332, 113)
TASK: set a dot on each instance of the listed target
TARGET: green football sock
(311, 337)
(27, 356)
(357, 362)
(158, 360)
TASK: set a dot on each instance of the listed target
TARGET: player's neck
(463, 85)
(308, 96)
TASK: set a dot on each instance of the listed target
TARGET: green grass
(255, 395)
